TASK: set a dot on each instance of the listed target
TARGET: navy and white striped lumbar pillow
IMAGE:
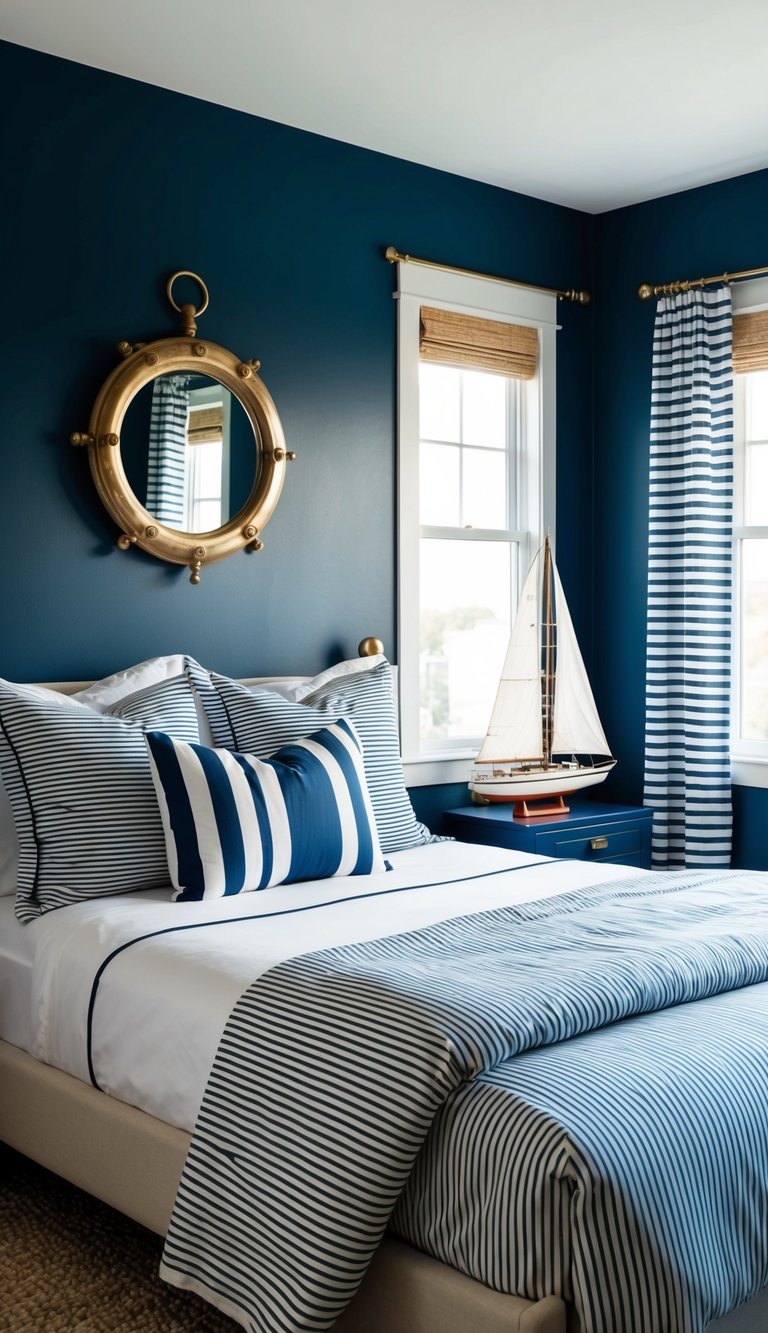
(258, 721)
(234, 823)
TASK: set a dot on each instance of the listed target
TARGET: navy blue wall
(108, 186)
(710, 230)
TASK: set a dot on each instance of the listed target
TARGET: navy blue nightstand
(591, 831)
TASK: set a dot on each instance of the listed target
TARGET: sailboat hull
(535, 783)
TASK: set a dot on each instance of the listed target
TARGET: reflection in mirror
(188, 451)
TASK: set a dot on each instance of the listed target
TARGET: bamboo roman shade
(750, 342)
(205, 424)
(487, 344)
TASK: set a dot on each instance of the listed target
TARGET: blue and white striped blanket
(627, 1148)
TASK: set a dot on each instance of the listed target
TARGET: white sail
(577, 728)
(515, 726)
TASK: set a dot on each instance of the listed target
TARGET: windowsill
(749, 771)
(434, 769)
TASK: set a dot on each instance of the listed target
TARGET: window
(206, 476)
(476, 482)
(749, 712)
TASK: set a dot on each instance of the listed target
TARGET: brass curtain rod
(645, 291)
(394, 256)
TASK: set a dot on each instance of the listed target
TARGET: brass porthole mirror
(186, 447)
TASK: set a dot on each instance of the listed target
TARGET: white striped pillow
(236, 824)
(81, 791)
(258, 721)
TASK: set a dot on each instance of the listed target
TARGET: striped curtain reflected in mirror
(168, 450)
(688, 672)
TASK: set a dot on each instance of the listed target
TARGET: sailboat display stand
(544, 724)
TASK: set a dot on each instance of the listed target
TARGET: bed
(127, 1145)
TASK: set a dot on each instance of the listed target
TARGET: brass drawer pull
(597, 844)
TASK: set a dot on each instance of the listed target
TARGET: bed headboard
(367, 647)
(73, 686)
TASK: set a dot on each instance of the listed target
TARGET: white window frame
(486, 300)
(749, 759)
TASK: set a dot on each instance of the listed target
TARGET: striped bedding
(605, 1055)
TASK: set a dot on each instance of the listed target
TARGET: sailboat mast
(549, 658)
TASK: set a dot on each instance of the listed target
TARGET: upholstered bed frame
(133, 1162)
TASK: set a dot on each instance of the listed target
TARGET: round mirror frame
(138, 527)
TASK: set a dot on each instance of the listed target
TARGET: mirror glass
(189, 451)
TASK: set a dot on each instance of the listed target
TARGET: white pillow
(101, 696)
(104, 693)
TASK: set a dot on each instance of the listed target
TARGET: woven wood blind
(488, 344)
(205, 424)
(750, 342)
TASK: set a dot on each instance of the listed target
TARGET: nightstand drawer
(618, 843)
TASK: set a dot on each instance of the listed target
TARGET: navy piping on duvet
(266, 916)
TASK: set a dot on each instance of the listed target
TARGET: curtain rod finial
(645, 291)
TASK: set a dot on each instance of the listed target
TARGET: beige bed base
(133, 1162)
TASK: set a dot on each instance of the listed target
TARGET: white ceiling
(591, 103)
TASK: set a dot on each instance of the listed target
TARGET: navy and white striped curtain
(688, 674)
(168, 449)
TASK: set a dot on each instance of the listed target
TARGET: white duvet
(160, 995)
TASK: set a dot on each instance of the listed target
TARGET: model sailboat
(544, 738)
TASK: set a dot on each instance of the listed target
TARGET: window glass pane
(754, 641)
(463, 635)
(757, 405)
(206, 515)
(207, 468)
(756, 495)
(485, 409)
(439, 402)
(484, 489)
(439, 484)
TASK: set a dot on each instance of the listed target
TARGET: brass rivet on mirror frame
(243, 370)
(257, 545)
(199, 553)
(254, 364)
(125, 348)
(200, 349)
(110, 439)
(150, 532)
(250, 531)
(279, 454)
(151, 358)
(126, 540)
(291, 455)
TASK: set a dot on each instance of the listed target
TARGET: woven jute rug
(69, 1264)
